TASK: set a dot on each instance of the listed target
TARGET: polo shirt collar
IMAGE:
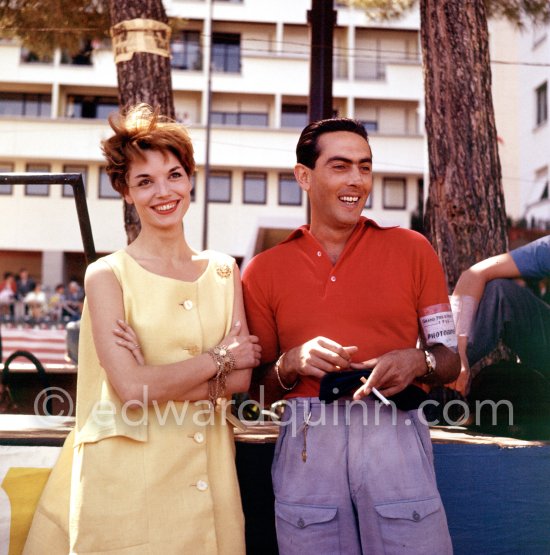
(362, 225)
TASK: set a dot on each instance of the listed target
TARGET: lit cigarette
(376, 392)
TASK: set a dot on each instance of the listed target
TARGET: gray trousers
(359, 479)
(514, 314)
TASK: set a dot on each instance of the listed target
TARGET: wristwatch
(431, 363)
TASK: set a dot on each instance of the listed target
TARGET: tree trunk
(465, 213)
(145, 78)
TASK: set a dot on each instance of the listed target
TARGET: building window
(542, 103)
(289, 191)
(219, 187)
(371, 126)
(226, 52)
(370, 69)
(22, 104)
(186, 50)
(38, 189)
(294, 115)
(253, 119)
(29, 57)
(96, 107)
(254, 188)
(368, 204)
(545, 192)
(6, 188)
(541, 185)
(105, 188)
(394, 193)
(68, 189)
(81, 58)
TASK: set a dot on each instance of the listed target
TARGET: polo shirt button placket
(333, 278)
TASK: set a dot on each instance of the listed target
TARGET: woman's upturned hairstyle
(307, 149)
(139, 129)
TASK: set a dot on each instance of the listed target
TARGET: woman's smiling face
(159, 188)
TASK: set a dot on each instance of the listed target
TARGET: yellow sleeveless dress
(156, 480)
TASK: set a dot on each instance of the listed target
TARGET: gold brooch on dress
(223, 271)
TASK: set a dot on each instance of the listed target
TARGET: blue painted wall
(497, 500)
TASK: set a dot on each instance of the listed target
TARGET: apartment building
(53, 115)
(521, 72)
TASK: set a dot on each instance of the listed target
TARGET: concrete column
(52, 269)
(278, 110)
(54, 109)
(279, 37)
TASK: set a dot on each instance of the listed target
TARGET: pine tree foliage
(44, 25)
(41, 25)
(516, 11)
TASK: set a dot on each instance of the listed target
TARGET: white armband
(437, 326)
(464, 309)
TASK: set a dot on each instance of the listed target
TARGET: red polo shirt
(383, 282)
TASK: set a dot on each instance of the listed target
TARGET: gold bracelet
(213, 391)
(225, 364)
(277, 366)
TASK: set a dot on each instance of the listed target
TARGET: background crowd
(24, 300)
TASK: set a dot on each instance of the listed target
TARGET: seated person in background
(72, 307)
(36, 302)
(8, 289)
(25, 284)
(488, 306)
(56, 302)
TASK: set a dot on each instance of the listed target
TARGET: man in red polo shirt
(353, 476)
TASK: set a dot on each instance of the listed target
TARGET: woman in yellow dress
(152, 466)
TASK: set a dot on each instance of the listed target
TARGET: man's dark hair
(307, 150)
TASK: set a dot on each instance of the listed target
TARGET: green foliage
(516, 11)
(383, 9)
(41, 25)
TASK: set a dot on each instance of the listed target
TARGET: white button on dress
(202, 485)
(198, 437)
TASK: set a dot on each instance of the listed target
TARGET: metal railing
(76, 182)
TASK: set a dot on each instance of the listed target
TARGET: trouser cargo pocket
(414, 527)
(305, 529)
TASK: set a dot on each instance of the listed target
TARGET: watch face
(431, 358)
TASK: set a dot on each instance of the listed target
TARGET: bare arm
(238, 382)
(472, 281)
(466, 297)
(185, 380)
